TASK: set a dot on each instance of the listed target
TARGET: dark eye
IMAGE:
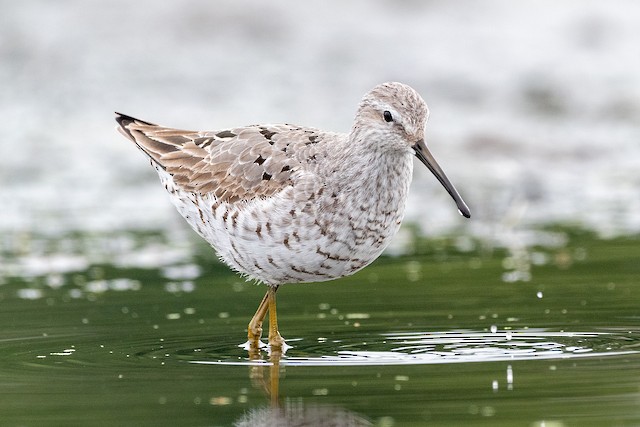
(387, 116)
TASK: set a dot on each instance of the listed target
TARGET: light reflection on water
(458, 346)
(427, 348)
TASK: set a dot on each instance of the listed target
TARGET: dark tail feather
(124, 121)
(151, 147)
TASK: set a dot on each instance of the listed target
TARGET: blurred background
(534, 106)
(114, 312)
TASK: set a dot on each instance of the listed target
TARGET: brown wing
(236, 164)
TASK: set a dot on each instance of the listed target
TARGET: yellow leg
(254, 330)
(275, 339)
(276, 343)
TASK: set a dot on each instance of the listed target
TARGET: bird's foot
(254, 332)
(276, 340)
(277, 345)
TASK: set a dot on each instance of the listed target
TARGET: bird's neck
(367, 169)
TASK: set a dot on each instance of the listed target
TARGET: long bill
(429, 161)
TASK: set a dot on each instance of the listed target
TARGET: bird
(284, 204)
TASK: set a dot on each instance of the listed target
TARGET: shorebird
(287, 204)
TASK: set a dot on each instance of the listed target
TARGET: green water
(128, 330)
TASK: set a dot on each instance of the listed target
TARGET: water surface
(448, 335)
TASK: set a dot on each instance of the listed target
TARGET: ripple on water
(393, 348)
(456, 346)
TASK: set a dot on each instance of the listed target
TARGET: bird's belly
(277, 242)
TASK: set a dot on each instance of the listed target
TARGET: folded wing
(234, 165)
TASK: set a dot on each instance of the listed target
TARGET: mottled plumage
(289, 204)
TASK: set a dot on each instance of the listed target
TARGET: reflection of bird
(289, 204)
(301, 415)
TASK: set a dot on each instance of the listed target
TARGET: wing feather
(234, 165)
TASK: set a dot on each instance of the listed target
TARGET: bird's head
(392, 116)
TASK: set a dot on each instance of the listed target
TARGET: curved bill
(425, 157)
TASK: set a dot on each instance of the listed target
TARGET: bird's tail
(155, 141)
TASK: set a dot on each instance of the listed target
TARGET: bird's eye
(387, 116)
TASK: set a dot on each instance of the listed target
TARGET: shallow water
(139, 332)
